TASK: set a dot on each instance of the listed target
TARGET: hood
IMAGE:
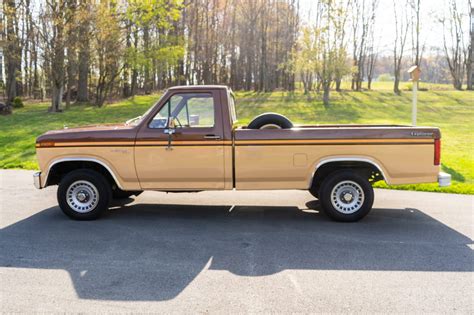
(89, 128)
(90, 133)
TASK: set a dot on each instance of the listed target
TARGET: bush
(409, 87)
(17, 102)
(385, 77)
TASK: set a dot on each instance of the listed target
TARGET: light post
(415, 74)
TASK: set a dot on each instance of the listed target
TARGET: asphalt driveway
(239, 252)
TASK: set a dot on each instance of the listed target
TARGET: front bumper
(444, 179)
(37, 180)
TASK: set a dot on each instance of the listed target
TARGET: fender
(348, 159)
(83, 159)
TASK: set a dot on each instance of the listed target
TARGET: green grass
(452, 111)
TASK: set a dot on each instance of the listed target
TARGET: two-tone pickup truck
(189, 141)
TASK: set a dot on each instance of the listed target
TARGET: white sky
(431, 31)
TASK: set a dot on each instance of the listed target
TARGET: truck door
(193, 159)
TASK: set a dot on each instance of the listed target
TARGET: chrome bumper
(444, 179)
(37, 180)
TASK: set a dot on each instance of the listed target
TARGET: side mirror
(170, 126)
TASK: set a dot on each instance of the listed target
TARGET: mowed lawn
(440, 106)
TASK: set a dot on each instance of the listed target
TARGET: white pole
(413, 110)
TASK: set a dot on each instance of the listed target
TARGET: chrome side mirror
(170, 126)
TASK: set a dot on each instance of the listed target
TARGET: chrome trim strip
(347, 159)
(79, 159)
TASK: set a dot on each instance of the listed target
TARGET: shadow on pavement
(153, 252)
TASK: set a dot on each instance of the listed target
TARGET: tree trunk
(396, 84)
(126, 66)
(338, 84)
(84, 56)
(56, 96)
(82, 83)
(326, 90)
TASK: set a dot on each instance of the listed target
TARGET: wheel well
(57, 171)
(366, 169)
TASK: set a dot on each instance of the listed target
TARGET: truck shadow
(153, 252)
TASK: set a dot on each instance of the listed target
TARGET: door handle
(215, 137)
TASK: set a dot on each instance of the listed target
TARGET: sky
(431, 31)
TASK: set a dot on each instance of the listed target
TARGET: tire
(346, 196)
(314, 190)
(270, 121)
(123, 194)
(88, 185)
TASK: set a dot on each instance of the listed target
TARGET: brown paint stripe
(238, 143)
(332, 141)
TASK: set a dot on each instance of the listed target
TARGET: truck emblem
(421, 134)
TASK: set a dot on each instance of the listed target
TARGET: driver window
(188, 110)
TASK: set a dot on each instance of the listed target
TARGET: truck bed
(287, 158)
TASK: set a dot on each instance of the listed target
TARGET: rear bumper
(37, 180)
(444, 179)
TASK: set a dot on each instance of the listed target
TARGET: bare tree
(402, 26)
(12, 51)
(470, 49)
(416, 30)
(83, 20)
(454, 43)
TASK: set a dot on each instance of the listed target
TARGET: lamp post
(415, 74)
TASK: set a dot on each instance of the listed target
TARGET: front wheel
(346, 196)
(84, 194)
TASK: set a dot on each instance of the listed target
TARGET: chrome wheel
(82, 196)
(347, 197)
(270, 126)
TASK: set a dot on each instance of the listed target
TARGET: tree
(470, 50)
(12, 51)
(417, 51)
(305, 61)
(402, 26)
(108, 48)
(55, 19)
(454, 45)
(330, 50)
(83, 17)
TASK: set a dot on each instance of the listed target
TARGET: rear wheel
(84, 194)
(346, 196)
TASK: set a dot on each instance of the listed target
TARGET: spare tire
(270, 121)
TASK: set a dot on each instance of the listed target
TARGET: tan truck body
(222, 157)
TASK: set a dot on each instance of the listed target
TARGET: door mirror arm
(170, 130)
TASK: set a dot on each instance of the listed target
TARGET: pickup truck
(189, 141)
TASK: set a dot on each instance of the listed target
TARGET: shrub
(385, 77)
(17, 102)
(409, 87)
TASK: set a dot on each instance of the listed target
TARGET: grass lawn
(452, 111)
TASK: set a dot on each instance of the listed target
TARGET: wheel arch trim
(82, 159)
(349, 159)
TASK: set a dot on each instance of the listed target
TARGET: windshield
(137, 120)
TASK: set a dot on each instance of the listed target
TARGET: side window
(191, 110)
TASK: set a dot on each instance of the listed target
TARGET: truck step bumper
(37, 180)
(444, 179)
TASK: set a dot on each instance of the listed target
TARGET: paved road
(272, 252)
